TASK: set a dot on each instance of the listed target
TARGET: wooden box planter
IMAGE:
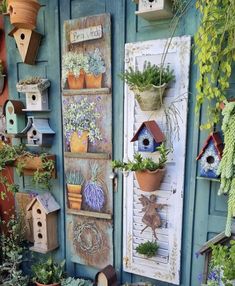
(150, 181)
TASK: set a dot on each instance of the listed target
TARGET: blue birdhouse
(210, 156)
(149, 136)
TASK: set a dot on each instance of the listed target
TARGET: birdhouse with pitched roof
(44, 211)
(106, 277)
(211, 155)
(15, 118)
(149, 136)
(39, 132)
(36, 95)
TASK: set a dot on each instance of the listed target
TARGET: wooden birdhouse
(149, 136)
(39, 133)
(36, 95)
(15, 118)
(28, 42)
(155, 9)
(106, 277)
(211, 155)
(44, 210)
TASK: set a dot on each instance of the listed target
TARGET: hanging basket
(76, 82)
(2, 81)
(23, 13)
(79, 143)
(150, 181)
(93, 81)
(150, 99)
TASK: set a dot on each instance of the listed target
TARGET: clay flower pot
(75, 201)
(23, 13)
(74, 189)
(150, 181)
(79, 143)
(93, 81)
(76, 82)
(54, 284)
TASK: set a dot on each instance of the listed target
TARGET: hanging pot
(75, 202)
(79, 142)
(93, 81)
(74, 189)
(23, 13)
(76, 82)
(150, 181)
(54, 284)
(2, 81)
(151, 98)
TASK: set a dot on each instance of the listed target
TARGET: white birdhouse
(36, 95)
(44, 210)
(155, 9)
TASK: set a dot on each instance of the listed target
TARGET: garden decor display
(96, 68)
(2, 77)
(80, 124)
(44, 210)
(151, 217)
(74, 67)
(23, 13)
(226, 168)
(76, 282)
(148, 85)
(48, 273)
(211, 155)
(214, 43)
(93, 191)
(149, 174)
(148, 249)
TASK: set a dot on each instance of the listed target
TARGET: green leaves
(148, 248)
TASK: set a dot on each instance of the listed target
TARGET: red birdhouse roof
(154, 130)
(215, 136)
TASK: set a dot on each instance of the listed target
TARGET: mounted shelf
(89, 214)
(86, 91)
(208, 179)
(101, 156)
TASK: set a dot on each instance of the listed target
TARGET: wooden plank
(208, 179)
(99, 156)
(89, 214)
(87, 91)
(87, 34)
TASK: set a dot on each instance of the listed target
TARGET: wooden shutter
(166, 265)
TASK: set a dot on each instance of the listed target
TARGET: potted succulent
(148, 173)
(148, 249)
(2, 77)
(148, 85)
(76, 282)
(80, 124)
(23, 13)
(48, 273)
(96, 68)
(3, 7)
(74, 67)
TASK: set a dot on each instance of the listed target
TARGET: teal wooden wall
(204, 211)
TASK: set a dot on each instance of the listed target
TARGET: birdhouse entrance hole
(39, 211)
(34, 132)
(22, 36)
(40, 236)
(146, 142)
(11, 121)
(34, 97)
(210, 159)
(39, 224)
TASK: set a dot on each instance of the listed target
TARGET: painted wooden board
(165, 266)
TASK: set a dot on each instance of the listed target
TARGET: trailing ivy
(215, 53)
(227, 165)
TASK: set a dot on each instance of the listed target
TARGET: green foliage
(30, 80)
(140, 164)
(3, 7)
(96, 64)
(75, 178)
(215, 54)
(227, 165)
(151, 75)
(76, 282)
(148, 248)
(48, 272)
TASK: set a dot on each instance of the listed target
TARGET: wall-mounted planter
(2, 82)
(23, 13)
(150, 181)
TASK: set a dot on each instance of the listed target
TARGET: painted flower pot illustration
(79, 142)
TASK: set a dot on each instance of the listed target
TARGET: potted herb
(149, 85)
(3, 7)
(96, 68)
(148, 173)
(2, 77)
(80, 124)
(74, 67)
(148, 249)
(76, 282)
(23, 13)
(48, 273)
(32, 84)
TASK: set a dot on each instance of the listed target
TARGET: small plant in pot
(3, 7)
(148, 249)
(148, 173)
(2, 77)
(149, 85)
(74, 67)
(48, 273)
(96, 68)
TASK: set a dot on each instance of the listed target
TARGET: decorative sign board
(87, 34)
(165, 266)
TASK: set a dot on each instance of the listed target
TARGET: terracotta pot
(79, 144)
(93, 81)
(23, 13)
(54, 284)
(75, 203)
(150, 99)
(76, 82)
(75, 189)
(150, 181)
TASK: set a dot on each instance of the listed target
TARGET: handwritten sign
(87, 34)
